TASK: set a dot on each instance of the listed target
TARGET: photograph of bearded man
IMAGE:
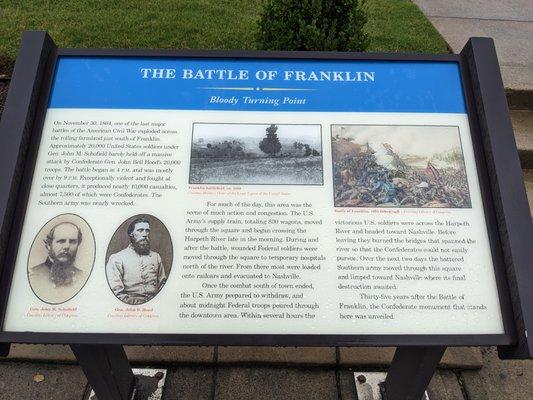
(60, 277)
(136, 273)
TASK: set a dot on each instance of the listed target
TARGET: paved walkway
(508, 22)
(220, 380)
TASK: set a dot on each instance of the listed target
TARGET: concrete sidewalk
(220, 380)
(508, 22)
(356, 357)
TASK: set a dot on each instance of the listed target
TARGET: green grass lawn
(399, 26)
(394, 25)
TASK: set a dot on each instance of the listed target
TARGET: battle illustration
(398, 166)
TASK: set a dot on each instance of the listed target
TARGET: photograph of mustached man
(65, 247)
(139, 257)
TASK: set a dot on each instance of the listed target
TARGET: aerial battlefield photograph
(274, 154)
(398, 166)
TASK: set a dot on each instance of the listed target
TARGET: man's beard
(141, 247)
(61, 273)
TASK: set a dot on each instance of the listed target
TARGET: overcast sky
(211, 132)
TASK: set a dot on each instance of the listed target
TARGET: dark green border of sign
(504, 197)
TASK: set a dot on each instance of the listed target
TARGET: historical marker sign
(255, 195)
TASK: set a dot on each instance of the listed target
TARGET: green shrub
(335, 25)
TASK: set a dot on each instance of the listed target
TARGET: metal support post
(107, 369)
(410, 372)
(4, 349)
